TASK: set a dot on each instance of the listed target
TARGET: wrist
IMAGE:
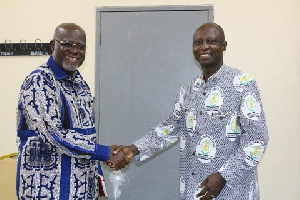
(101, 152)
(134, 150)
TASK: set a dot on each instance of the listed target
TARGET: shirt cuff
(101, 152)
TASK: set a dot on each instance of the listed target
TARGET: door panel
(143, 56)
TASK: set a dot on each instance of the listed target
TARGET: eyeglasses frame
(65, 43)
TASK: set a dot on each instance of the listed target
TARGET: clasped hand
(120, 156)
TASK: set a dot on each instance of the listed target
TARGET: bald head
(64, 28)
(217, 27)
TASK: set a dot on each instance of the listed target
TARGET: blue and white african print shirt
(58, 154)
(221, 127)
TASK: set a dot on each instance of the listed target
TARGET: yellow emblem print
(206, 147)
(234, 126)
(233, 129)
(197, 84)
(245, 78)
(255, 152)
(251, 104)
(198, 81)
(213, 100)
(251, 107)
(165, 132)
(191, 120)
(206, 150)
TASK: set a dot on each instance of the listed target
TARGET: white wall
(263, 40)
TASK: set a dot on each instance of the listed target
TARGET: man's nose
(74, 49)
(204, 45)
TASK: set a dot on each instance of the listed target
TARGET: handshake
(120, 156)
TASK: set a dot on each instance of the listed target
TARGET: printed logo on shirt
(197, 84)
(241, 80)
(206, 149)
(191, 121)
(245, 78)
(164, 131)
(214, 101)
(182, 143)
(233, 128)
(251, 107)
(254, 152)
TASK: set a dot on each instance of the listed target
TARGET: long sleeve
(253, 139)
(42, 102)
(164, 134)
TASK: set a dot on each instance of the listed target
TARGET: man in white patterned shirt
(220, 122)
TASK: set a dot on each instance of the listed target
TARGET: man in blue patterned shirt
(58, 154)
(220, 122)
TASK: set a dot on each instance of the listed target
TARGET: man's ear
(224, 45)
(52, 44)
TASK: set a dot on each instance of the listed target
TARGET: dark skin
(127, 151)
(212, 186)
(208, 47)
(69, 59)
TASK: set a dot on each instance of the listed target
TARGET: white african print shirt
(221, 126)
(55, 121)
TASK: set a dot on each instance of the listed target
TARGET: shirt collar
(59, 73)
(215, 75)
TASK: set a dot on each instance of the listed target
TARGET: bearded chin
(70, 68)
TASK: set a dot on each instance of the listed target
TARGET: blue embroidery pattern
(55, 121)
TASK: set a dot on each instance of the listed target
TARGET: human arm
(166, 133)
(42, 107)
(160, 137)
(253, 139)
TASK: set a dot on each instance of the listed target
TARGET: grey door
(143, 56)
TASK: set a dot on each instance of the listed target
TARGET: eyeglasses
(69, 45)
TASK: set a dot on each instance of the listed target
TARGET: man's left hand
(212, 186)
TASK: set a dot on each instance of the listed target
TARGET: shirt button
(193, 173)
(193, 153)
(204, 93)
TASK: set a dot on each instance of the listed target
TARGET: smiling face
(68, 58)
(208, 46)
